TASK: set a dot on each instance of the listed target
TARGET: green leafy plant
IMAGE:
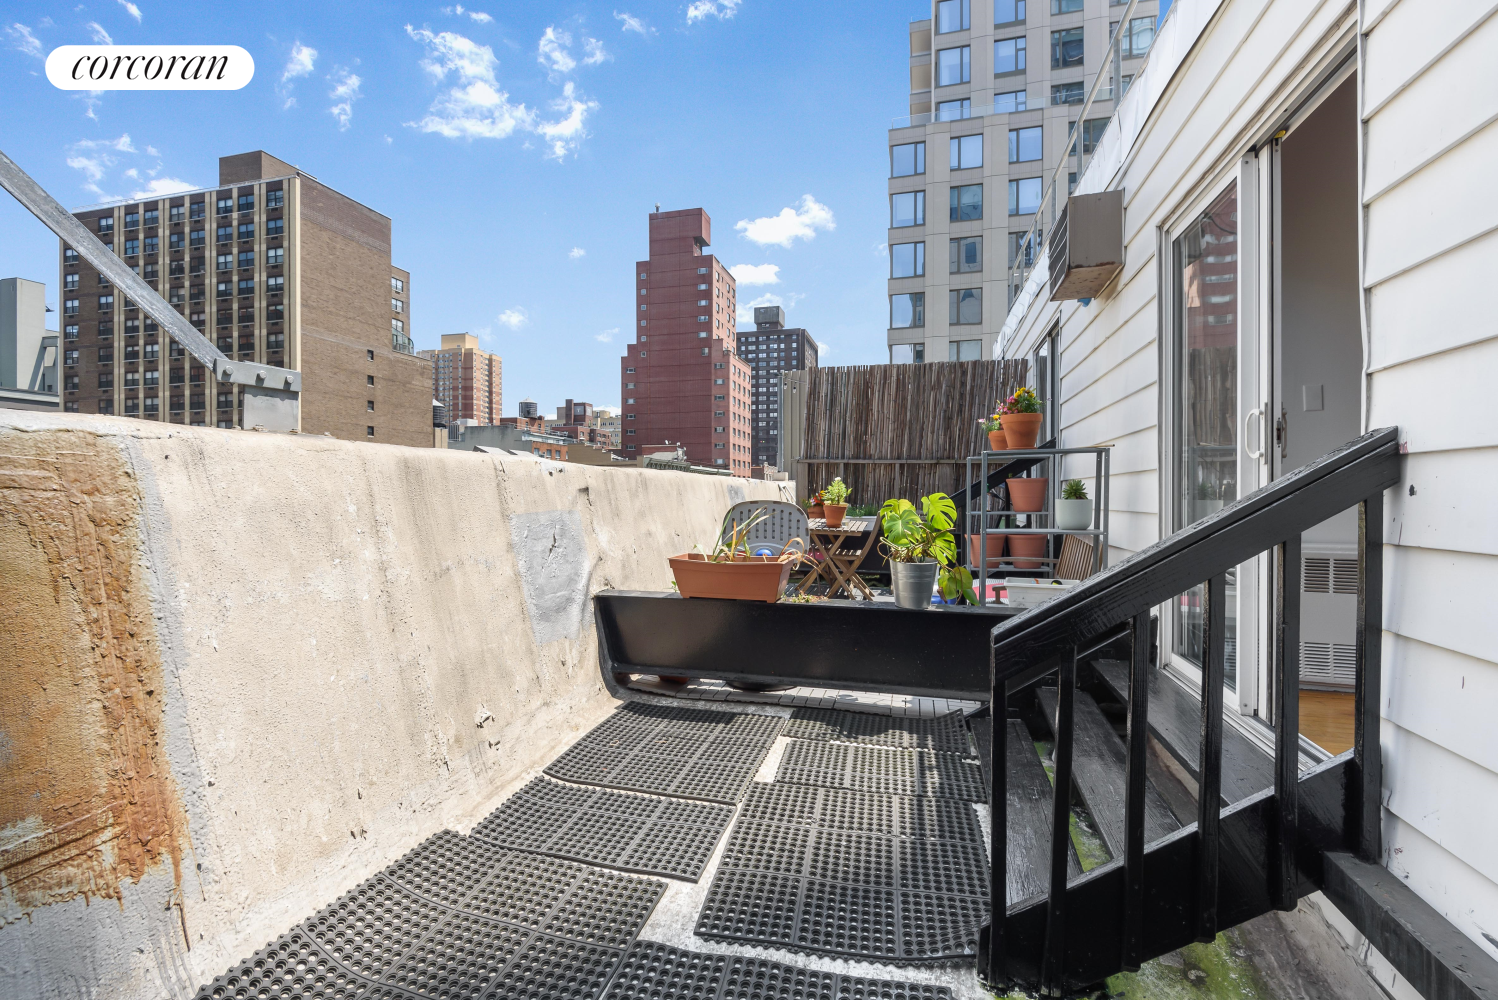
(925, 535)
(862, 510)
(1074, 489)
(1024, 400)
(993, 423)
(836, 492)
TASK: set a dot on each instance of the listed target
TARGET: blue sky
(517, 147)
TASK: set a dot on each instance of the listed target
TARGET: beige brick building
(467, 380)
(273, 266)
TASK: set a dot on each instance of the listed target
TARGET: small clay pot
(1021, 429)
(1026, 551)
(997, 441)
(995, 550)
(834, 514)
(1027, 496)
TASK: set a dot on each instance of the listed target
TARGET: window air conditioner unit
(1086, 245)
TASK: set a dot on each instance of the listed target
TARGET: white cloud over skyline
(721, 9)
(789, 225)
(628, 22)
(97, 159)
(605, 337)
(344, 93)
(577, 252)
(513, 318)
(99, 35)
(131, 9)
(755, 274)
(23, 40)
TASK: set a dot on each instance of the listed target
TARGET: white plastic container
(1026, 593)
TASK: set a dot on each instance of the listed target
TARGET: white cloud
(755, 274)
(513, 318)
(134, 11)
(302, 59)
(577, 252)
(388, 139)
(476, 15)
(791, 224)
(93, 167)
(566, 135)
(882, 249)
(160, 187)
(628, 22)
(605, 337)
(721, 9)
(552, 53)
(823, 349)
(21, 37)
(344, 93)
(100, 36)
(595, 54)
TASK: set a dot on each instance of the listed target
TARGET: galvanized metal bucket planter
(913, 583)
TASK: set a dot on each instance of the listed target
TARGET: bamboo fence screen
(898, 430)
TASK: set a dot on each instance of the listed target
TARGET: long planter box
(746, 578)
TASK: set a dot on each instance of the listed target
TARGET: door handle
(1282, 433)
(1248, 438)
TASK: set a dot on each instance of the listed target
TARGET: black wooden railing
(1261, 853)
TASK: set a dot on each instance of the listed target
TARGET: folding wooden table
(843, 550)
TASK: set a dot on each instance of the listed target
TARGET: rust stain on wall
(87, 798)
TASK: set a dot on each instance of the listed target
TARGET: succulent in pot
(835, 502)
(922, 552)
(1074, 509)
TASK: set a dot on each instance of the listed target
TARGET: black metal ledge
(1423, 946)
(851, 645)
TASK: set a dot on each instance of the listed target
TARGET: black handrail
(1053, 638)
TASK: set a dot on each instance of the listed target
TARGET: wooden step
(1100, 771)
(1028, 845)
(1175, 721)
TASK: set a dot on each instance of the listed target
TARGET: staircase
(1203, 827)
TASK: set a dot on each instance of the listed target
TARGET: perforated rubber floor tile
(665, 750)
(859, 874)
(946, 733)
(290, 966)
(459, 958)
(652, 971)
(369, 928)
(881, 769)
(650, 834)
(556, 969)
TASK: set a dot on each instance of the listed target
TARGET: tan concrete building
(467, 380)
(273, 266)
(995, 87)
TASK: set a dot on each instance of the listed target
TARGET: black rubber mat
(659, 972)
(457, 917)
(945, 733)
(883, 769)
(687, 752)
(857, 874)
(649, 834)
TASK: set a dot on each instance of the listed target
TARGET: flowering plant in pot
(813, 505)
(922, 551)
(1021, 417)
(1074, 509)
(835, 502)
(994, 428)
(730, 571)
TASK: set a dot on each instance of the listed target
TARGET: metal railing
(928, 117)
(1050, 200)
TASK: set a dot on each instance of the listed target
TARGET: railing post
(1053, 958)
(1370, 628)
(996, 972)
(1209, 779)
(1138, 731)
(1284, 873)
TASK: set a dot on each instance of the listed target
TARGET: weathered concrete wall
(244, 671)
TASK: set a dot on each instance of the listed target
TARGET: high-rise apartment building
(995, 87)
(610, 428)
(683, 382)
(770, 350)
(273, 266)
(467, 380)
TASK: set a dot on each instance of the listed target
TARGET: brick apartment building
(682, 379)
(466, 380)
(273, 266)
(770, 350)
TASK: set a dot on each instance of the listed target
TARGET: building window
(1024, 196)
(907, 310)
(907, 209)
(106, 380)
(225, 261)
(152, 378)
(246, 286)
(717, 399)
(965, 255)
(965, 306)
(952, 15)
(1065, 6)
(70, 357)
(197, 210)
(1137, 39)
(70, 331)
(132, 247)
(371, 355)
(396, 305)
(907, 260)
(225, 234)
(967, 152)
(70, 307)
(247, 230)
(630, 401)
(905, 160)
(397, 285)
(1092, 131)
(106, 223)
(275, 199)
(70, 282)
(225, 289)
(273, 227)
(175, 241)
(951, 111)
(106, 302)
(152, 352)
(954, 66)
(717, 381)
(1068, 93)
(965, 203)
(1009, 56)
(1066, 48)
(70, 256)
(178, 213)
(1024, 144)
(964, 350)
(153, 245)
(132, 220)
(197, 237)
(1013, 100)
(247, 259)
(1016, 241)
(369, 432)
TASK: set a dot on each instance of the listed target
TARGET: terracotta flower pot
(747, 578)
(993, 550)
(816, 510)
(1021, 429)
(1027, 495)
(997, 441)
(1026, 551)
(835, 512)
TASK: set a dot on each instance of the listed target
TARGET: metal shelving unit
(978, 521)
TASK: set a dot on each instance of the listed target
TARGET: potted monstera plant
(922, 551)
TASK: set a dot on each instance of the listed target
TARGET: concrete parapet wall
(245, 671)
